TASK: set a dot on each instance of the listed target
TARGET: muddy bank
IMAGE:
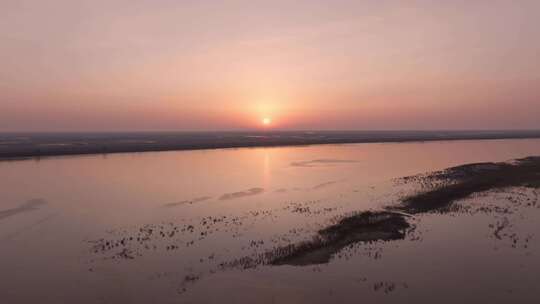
(460, 182)
(444, 188)
(362, 227)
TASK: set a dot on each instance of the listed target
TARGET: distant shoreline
(15, 146)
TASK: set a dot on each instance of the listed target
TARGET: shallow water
(69, 227)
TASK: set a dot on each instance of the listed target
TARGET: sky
(142, 65)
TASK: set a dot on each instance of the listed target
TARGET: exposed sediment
(444, 188)
(363, 227)
(460, 182)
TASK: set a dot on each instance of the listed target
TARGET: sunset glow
(175, 65)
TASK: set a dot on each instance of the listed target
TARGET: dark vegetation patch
(363, 227)
(460, 182)
(447, 186)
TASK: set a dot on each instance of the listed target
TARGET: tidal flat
(446, 187)
(439, 221)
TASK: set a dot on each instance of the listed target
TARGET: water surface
(205, 208)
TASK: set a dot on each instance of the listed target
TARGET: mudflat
(443, 188)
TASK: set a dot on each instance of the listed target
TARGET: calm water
(215, 206)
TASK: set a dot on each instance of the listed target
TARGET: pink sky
(69, 65)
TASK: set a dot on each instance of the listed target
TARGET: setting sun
(266, 121)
